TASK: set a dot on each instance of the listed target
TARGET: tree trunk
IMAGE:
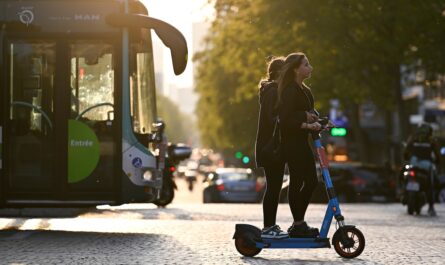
(403, 119)
(388, 137)
(359, 138)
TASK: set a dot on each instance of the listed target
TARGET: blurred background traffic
(205, 178)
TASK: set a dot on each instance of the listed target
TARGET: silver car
(232, 185)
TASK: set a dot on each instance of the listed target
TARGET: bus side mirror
(158, 132)
(169, 35)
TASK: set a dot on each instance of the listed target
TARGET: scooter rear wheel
(243, 246)
(351, 246)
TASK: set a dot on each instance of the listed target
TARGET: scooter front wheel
(349, 242)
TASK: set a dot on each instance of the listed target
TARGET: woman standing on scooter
(297, 120)
(274, 170)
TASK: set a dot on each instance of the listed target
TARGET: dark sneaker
(302, 230)
(273, 232)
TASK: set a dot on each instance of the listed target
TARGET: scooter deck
(294, 243)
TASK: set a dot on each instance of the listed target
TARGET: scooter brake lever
(323, 121)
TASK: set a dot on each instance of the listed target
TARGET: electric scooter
(417, 178)
(348, 241)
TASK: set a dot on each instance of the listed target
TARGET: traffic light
(340, 132)
(239, 155)
(246, 160)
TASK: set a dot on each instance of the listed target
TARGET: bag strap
(276, 126)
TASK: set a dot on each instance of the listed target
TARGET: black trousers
(431, 188)
(302, 182)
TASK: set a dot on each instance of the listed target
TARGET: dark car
(354, 182)
(232, 185)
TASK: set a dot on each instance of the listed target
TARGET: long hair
(273, 69)
(287, 75)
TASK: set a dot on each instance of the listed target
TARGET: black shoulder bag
(271, 151)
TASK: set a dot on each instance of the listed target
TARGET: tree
(180, 128)
(357, 48)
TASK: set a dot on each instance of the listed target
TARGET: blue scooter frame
(348, 241)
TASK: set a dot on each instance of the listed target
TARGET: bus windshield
(92, 80)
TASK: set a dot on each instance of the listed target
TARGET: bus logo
(87, 17)
(26, 17)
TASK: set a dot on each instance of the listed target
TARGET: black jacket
(422, 150)
(267, 100)
(295, 101)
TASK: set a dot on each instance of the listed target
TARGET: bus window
(32, 74)
(92, 81)
(142, 88)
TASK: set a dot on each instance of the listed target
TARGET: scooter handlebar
(326, 124)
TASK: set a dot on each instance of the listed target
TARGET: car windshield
(236, 176)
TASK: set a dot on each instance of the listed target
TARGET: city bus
(78, 120)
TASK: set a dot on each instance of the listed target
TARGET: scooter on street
(175, 154)
(417, 176)
(348, 241)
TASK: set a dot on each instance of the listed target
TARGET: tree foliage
(356, 48)
(180, 128)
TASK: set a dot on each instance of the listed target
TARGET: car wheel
(207, 198)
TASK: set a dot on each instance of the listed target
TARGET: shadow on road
(258, 260)
(170, 213)
(67, 247)
(38, 212)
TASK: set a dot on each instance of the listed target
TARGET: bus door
(93, 134)
(59, 135)
(29, 131)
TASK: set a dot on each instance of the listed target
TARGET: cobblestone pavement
(188, 232)
(194, 233)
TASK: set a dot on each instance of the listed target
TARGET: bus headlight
(148, 175)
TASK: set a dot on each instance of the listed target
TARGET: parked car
(232, 185)
(353, 182)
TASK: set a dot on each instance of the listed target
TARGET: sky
(180, 14)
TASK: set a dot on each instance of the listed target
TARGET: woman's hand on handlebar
(311, 117)
(315, 126)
